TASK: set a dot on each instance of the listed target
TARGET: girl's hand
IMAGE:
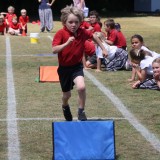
(135, 85)
(156, 76)
(105, 53)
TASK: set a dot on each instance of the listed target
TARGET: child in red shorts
(69, 44)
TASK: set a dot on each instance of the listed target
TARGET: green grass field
(39, 104)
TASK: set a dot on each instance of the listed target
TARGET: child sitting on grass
(116, 58)
(2, 25)
(14, 27)
(153, 83)
(23, 20)
(137, 42)
(142, 64)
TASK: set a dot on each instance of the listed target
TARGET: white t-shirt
(110, 49)
(147, 62)
(153, 53)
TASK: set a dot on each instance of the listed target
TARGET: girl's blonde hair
(11, 8)
(23, 10)
(65, 12)
(101, 36)
(157, 60)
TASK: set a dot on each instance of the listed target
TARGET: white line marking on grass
(12, 129)
(61, 118)
(150, 137)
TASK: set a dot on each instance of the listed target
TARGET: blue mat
(87, 140)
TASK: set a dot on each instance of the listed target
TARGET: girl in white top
(142, 64)
(138, 43)
(110, 49)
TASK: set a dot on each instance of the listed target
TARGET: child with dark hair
(113, 37)
(137, 42)
(142, 64)
(94, 20)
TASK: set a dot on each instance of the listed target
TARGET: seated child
(142, 64)
(23, 20)
(10, 15)
(116, 58)
(121, 37)
(2, 25)
(14, 27)
(137, 42)
(155, 82)
(94, 21)
(113, 37)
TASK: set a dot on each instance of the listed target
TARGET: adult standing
(45, 15)
(80, 4)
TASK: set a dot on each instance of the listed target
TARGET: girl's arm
(97, 40)
(109, 42)
(98, 65)
(141, 74)
(50, 4)
(59, 48)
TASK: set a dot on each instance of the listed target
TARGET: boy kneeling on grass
(69, 44)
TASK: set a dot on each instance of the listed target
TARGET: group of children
(11, 24)
(74, 43)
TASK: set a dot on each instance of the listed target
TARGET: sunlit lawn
(43, 100)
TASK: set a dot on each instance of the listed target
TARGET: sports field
(28, 108)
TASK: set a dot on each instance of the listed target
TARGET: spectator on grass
(116, 58)
(142, 64)
(155, 82)
(14, 27)
(113, 37)
(9, 16)
(69, 44)
(137, 42)
(45, 15)
(2, 25)
(94, 20)
(23, 20)
(121, 37)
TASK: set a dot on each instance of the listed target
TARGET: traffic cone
(23, 33)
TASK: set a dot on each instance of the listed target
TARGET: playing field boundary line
(12, 128)
(61, 118)
(150, 137)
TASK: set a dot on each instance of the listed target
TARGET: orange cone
(23, 33)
